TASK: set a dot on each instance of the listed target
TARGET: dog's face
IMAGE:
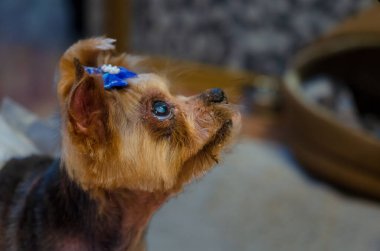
(141, 136)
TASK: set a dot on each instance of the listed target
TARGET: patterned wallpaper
(260, 35)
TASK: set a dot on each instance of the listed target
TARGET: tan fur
(122, 145)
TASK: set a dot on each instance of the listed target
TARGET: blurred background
(256, 35)
(305, 174)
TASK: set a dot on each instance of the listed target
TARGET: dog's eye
(161, 110)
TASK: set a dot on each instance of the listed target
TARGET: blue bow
(111, 79)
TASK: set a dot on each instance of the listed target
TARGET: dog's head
(140, 136)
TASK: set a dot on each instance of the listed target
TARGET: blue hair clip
(113, 76)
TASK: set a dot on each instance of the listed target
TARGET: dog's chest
(61, 216)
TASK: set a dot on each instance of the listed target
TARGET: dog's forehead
(142, 87)
(146, 81)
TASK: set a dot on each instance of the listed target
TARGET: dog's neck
(118, 217)
(136, 208)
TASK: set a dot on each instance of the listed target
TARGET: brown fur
(140, 152)
(112, 142)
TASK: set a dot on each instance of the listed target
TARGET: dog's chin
(228, 131)
(230, 126)
(236, 122)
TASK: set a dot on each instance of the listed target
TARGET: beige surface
(259, 200)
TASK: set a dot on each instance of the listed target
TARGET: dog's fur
(119, 163)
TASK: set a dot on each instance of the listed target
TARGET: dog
(125, 151)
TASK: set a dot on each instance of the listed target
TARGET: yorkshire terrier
(128, 145)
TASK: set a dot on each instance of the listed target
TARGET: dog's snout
(216, 95)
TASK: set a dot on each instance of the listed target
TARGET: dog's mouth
(220, 138)
(207, 155)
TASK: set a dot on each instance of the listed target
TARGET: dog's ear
(87, 107)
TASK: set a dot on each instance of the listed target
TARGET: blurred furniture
(347, 157)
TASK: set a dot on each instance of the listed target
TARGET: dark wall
(259, 35)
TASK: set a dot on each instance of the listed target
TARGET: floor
(259, 199)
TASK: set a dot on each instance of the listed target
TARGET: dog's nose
(216, 95)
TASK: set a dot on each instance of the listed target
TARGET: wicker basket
(346, 157)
